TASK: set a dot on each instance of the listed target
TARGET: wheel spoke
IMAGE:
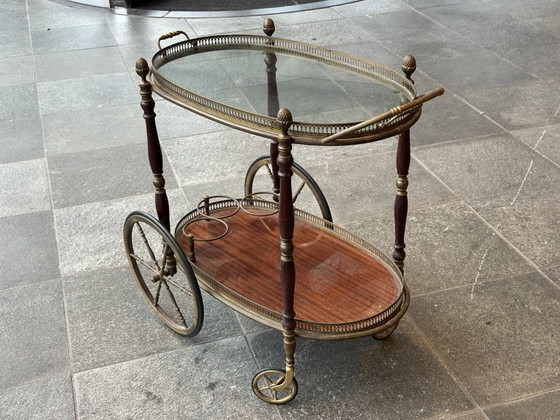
(158, 290)
(268, 386)
(178, 286)
(144, 263)
(164, 258)
(175, 304)
(148, 247)
(298, 191)
(269, 171)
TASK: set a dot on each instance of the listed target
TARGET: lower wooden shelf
(345, 287)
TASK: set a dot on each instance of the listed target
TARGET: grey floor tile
(307, 156)
(15, 44)
(500, 340)
(419, 4)
(325, 33)
(214, 156)
(13, 6)
(371, 50)
(16, 71)
(466, 13)
(522, 10)
(354, 198)
(89, 236)
(131, 30)
(72, 38)
(482, 70)
(444, 44)
(473, 415)
(86, 92)
(81, 63)
(530, 223)
(60, 16)
(550, 23)
(30, 249)
(554, 274)
(251, 326)
(132, 52)
(545, 407)
(231, 187)
(173, 121)
(103, 174)
(34, 197)
(369, 7)
(21, 139)
(477, 167)
(507, 35)
(542, 139)
(294, 18)
(92, 129)
(209, 381)
(14, 21)
(405, 23)
(110, 321)
(539, 60)
(449, 118)
(448, 246)
(34, 336)
(203, 27)
(19, 101)
(42, 400)
(363, 378)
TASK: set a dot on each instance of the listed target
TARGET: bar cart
(261, 254)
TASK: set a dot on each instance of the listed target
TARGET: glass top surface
(313, 91)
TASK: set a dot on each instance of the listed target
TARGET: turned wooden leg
(154, 147)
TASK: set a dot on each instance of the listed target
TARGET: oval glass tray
(345, 287)
(243, 80)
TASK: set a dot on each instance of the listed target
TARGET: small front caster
(386, 333)
(269, 386)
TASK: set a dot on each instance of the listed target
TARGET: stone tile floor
(481, 338)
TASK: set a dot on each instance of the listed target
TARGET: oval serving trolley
(274, 254)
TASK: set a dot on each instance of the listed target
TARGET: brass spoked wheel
(163, 273)
(386, 333)
(267, 385)
(306, 193)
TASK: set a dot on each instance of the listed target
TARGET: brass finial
(142, 68)
(285, 120)
(408, 66)
(268, 27)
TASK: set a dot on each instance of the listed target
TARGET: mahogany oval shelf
(344, 286)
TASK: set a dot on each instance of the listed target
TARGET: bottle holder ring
(254, 205)
(203, 207)
(206, 219)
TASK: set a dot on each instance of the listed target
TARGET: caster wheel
(265, 381)
(382, 335)
(307, 195)
(163, 273)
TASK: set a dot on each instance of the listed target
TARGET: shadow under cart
(250, 252)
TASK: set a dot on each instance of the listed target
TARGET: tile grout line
(55, 228)
(449, 371)
(495, 230)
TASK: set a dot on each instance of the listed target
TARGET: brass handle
(170, 35)
(393, 112)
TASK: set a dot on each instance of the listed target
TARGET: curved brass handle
(393, 112)
(170, 35)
